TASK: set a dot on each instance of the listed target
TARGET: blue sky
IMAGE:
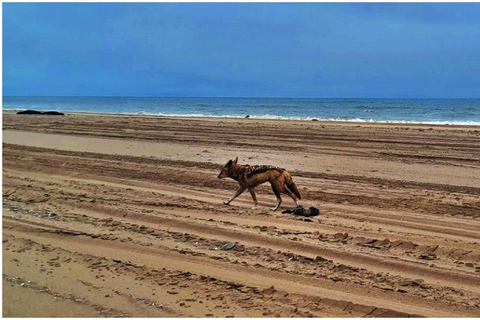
(396, 50)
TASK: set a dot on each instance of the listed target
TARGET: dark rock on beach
(29, 112)
(53, 113)
(48, 113)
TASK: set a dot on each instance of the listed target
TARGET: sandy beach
(122, 216)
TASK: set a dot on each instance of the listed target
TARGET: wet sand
(123, 216)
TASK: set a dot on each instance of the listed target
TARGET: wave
(15, 109)
(279, 117)
(308, 118)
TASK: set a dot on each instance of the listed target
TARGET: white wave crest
(275, 117)
(279, 117)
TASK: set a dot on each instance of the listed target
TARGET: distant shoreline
(383, 111)
(269, 120)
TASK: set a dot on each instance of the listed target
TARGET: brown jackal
(248, 177)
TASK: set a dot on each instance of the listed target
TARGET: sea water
(427, 111)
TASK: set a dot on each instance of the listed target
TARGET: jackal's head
(226, 168)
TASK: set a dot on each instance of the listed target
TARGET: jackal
(248, 177)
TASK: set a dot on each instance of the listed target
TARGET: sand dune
(123, 216)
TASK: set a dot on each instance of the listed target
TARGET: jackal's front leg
(252, 193)
(239, 192)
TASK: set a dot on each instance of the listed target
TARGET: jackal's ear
(229, 164)
(235, 160)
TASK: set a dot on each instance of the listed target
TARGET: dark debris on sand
(301, 211)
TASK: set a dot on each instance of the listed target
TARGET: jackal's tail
(291, 185)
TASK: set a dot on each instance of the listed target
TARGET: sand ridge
(123, 216)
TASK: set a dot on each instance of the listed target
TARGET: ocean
(425, 111)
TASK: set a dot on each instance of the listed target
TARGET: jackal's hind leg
(254, 197)
(291, 194)
(239, 192)
(279, 199)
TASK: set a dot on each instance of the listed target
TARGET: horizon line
(233, 97)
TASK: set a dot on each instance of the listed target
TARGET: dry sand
(123, 216)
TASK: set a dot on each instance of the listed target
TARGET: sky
(316, 50)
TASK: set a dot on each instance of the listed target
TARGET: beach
(122, 216)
